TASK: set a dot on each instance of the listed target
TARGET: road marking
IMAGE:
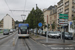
(13, 41)
(44, 45)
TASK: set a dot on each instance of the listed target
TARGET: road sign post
(40, 25)
(63, 21)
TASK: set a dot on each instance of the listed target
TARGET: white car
(11, 30)
(54, 34)
(44, 33)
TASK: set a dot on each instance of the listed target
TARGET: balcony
(67, 11)
(60, 11)
(73, 1)
(60, 5)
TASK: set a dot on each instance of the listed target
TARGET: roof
(50, 8)
(6, 16)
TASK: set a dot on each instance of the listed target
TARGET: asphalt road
(7, 43)
(14, 43)
(35, 46)
(20, 45)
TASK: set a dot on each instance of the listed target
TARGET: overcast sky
(6, 5)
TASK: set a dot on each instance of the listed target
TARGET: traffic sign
(63, 14)
(63, 17)
(63, 24)
(70, 23)
(40, 24)
(63, 20)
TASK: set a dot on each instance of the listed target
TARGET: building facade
(53, 18)
(7, 22)
(46, 13)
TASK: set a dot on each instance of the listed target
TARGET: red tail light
(19, 33)
(27, 32)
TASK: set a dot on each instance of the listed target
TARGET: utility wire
(8, 6)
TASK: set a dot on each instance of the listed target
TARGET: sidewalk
(51, 41)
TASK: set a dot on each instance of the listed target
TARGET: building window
(67, 3)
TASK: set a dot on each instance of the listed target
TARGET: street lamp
(23, 17)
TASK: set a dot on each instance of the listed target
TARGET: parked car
(53, 34)
(58, 32)
(68, 35)
(1, 31)
(14, 30)
(5, 32)
(44, 33)
(11, 30)
(40, 32)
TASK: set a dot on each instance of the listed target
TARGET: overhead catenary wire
(8, 6)
(25, 5)
(24, 11)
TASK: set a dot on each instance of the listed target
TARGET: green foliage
(73, 18)
(53, 25)
(46, 26)
(17, 22)
(34, 17)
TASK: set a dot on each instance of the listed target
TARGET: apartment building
(66, 7)
(7, 22)
(53, 17)
(1, 24)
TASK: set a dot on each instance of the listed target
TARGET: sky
(7, 5)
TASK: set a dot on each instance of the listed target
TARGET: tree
(53, 26)
(45, 26)
(35, 17)
(17, 22)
